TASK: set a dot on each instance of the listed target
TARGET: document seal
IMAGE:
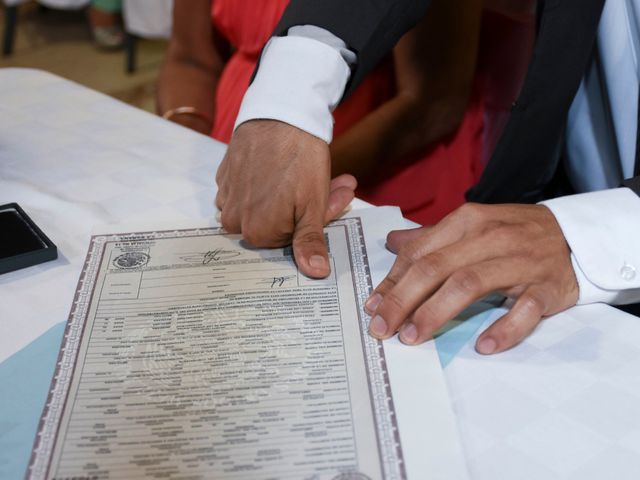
(131, 260)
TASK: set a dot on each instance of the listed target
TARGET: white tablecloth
(563, 405)
(73, 158)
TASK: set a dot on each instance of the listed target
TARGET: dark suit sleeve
(369, 27)
(633, 184)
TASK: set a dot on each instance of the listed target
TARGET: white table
(563, 405)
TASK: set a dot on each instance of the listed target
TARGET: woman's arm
(434, 64)
(193, 64)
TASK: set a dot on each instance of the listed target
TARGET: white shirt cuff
(300, 81)
(603, 231)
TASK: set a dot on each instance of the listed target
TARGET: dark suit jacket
(526, 166)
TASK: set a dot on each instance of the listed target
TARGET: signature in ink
(218, 254)
(210, 256)
(279, 281)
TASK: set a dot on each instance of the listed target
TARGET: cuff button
(628, 272)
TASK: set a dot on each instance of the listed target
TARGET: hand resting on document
(518, 250)
(275, 188)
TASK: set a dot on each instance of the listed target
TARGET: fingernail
(317, 261)
(409, 334)
(487, 346)
(372, 303)
(378, 327)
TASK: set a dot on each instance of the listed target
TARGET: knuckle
(309, 237)
(414, 250)
(466, 280)
(510, 332)
(229, 221)
(279, 239)
(390, 281)
(432, 265)
(393, 303)
(427, 320)
(533, 303)
(385, 286)
(408, 253)
(470, 211)
(219, 175)
(252, 235)
(426, 316)
(502, 234)
(220, 200)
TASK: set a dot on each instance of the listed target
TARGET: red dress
(426, 186)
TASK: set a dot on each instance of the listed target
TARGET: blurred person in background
(415, 133)
(106, 23)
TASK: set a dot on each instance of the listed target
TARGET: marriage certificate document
(190, 355)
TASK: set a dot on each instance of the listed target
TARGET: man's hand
(274, 188)
(518, 250)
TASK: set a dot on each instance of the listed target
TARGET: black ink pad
(22, 243)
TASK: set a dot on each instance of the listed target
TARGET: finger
(221, 198)
(266, 227)
(518, 323)
(410, 253)
(344, 180)
(309, 247)
(447, 231)
(463, 252)
(341, 193)
(230, 219)
(223, 188)
(423, 242)
(399, 238)
(221, 171)
(429, 239)
(400, 297)
(461, 289)
(339, 200)
(265, 231)
(400, 265)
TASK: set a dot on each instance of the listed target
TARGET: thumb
(339, 200)
(309, 247)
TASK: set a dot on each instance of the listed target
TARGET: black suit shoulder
(527, 157)
(369, 28)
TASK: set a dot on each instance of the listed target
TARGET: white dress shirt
(302, 77)
(603, 227)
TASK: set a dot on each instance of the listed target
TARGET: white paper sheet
(105, 377)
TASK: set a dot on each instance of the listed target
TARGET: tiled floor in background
(60, 42)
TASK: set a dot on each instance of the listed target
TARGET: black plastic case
(44, 250)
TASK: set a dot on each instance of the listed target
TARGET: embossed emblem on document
(131, 260)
